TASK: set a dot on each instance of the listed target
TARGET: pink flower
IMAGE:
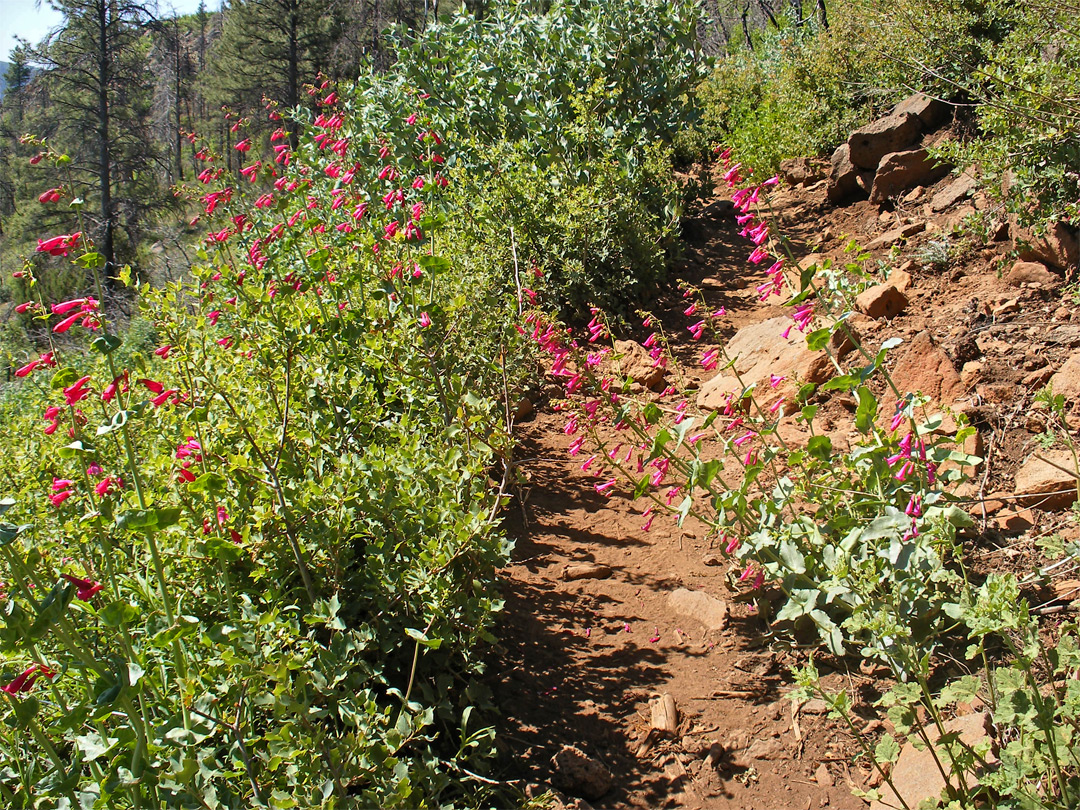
(758, 256)
(163, 352)
(24, 370)
(86, 588)
(59, 245)
(76, 392)
(697, 329)
(50, 196)
(162, 398)
(244, 145)
(710, 360)
(575, 445)
(605, 488)
(60, 497)
(690, 310)
(24, 682)
(425, 320)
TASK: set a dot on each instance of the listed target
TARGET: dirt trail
(580, 660)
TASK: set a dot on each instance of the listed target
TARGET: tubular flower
(51, 196)
(76, 392)
(86, 588)
(24, 682)
(59, 245)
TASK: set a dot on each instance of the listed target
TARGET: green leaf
(63, 378)
(210, 483)
(792, 557)
(6, 504)
(119, 612)
(887, 749)
(845, 382)
(432, 643)
(74, 449)
(107, 344)
(818, 339)
(866, 412)
(820, 447)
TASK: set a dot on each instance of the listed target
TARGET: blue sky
(33, 20)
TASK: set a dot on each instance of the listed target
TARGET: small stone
(579, 774)
(1038, 377)
(635, 363)
(713, 559)
(970, 373)
(585, 571)
(1014, 523)
(916, 774)
(766, 749)
(901, 279)
(822, 776)
(932, 112)
(1066, 380)
(889, 238)
(697, 605)
(957, 190)
(1005, 306)
(814, 706)
(882, 301)
(1033, 273)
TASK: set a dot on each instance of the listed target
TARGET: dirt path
(582, 659)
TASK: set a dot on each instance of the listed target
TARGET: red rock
(916, 774)
(1032, 273)
(893, 133)
(900, 171)
(1066, 380)
(891, 237)
(925, 367)
(932, 112)
(1058, 247)
(957, 190)
(844, 177)
(759, 352)
(882, 301)
(1045, 485)
(633, 361)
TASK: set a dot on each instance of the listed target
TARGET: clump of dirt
(604, 621)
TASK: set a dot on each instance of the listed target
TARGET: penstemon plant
(861, 544)
(252, 566)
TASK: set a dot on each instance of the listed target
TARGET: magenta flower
(86, 588)
(24, 683)
(710, 360)
(605, 488)
(697, 329)
(60, 497)
(758, 256)
(425, 320)
(77, 391)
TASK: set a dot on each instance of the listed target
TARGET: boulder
(893, 133)
(1066, 380)
(881, 301)
(1043, 481)
(925, 367)
(932, 112)
(899, 171)
(1032, 273)
(957, 190)
(844, 177)
(901, 279)
(761, 351)
(916, 773)
(1057, 247)
(634, 362)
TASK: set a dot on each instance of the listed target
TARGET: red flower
(24, 682)
(76, 391)
(86, 588)
(50, 196)
(244, 145)
(58, 245)
(25, 370)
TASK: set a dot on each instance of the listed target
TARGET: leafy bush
(798, 92)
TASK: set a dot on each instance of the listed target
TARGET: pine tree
(96, 69)
(270, 48)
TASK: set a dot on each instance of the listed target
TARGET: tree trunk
(104, 156)
(824, 15)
